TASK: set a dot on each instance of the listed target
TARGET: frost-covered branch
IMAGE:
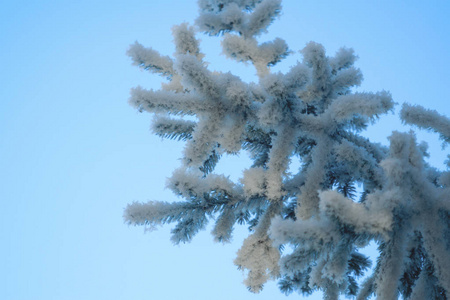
(426, 119)
(347, 190)
(163, 101)
(151, 60)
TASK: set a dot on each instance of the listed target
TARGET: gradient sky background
(73, 153)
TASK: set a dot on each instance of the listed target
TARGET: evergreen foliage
(311, 113)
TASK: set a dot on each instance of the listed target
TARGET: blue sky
(73, 153)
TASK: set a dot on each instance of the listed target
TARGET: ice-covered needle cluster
(311, 113)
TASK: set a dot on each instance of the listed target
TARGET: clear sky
(73, 153)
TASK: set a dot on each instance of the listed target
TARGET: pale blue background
(73, 153)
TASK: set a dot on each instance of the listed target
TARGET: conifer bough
(311, 113)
